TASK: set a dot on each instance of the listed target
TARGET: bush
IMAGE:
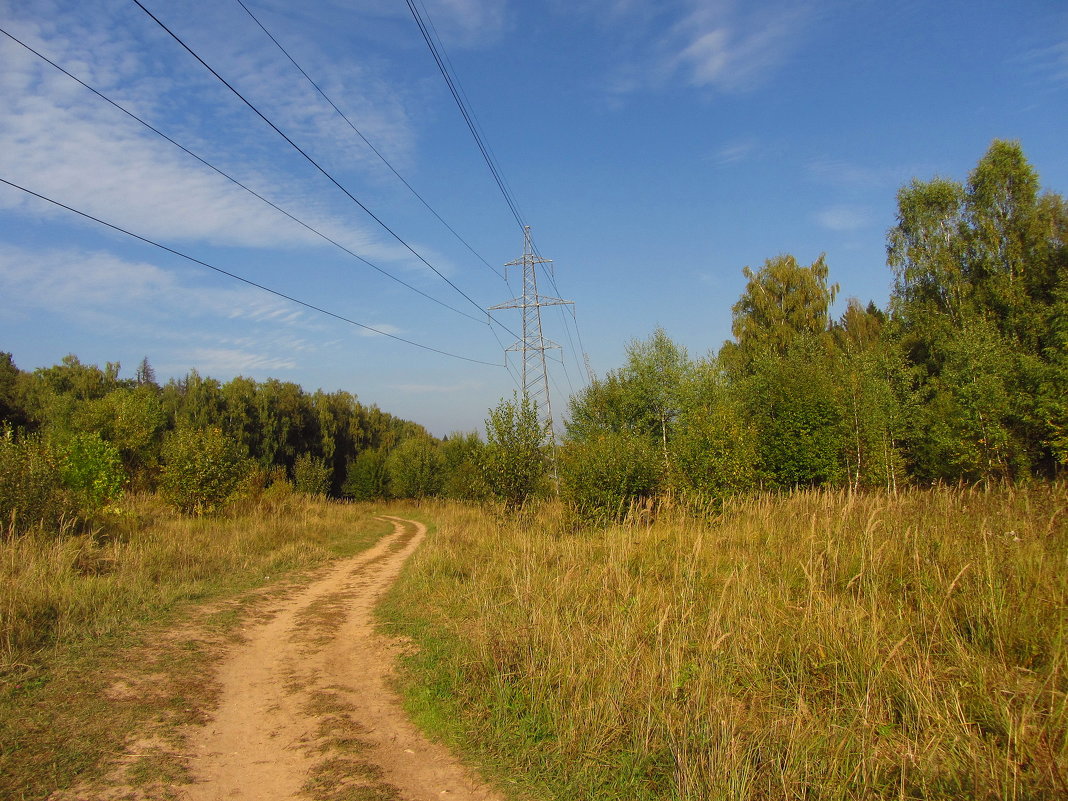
(32, 492)
(367, 479)
(462, 455)
(713, 453)
(792, 404)
(600, 477)
(415, 469)
(311, 476)
(514, 464)
(201, 469)
(92, 469)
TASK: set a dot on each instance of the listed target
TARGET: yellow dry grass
(85, 657)
(818, 645)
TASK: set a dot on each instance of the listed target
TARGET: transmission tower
(532, 346)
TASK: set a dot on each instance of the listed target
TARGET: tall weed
(76, 609)
(58, 588)
(818, 645)
(32, 491)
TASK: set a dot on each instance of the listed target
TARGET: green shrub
(92, 470)
(415, 469)
(311, 476)
(713, 453)
(600, 477)
(462, 455)
(367, 479)
(201, 469)
(32, 491)
(514, 464)
(791, 401)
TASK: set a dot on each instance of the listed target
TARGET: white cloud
(58, 139)
(381, 329)
(468, 22)
(726, 45)
(76, 283)
(230, 361)
(722, 47)
(185, 324)
(1049, 63)
(734, 152)
(844, 218)
(839, 172)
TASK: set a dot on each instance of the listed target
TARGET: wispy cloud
(181, 323)
(843, 218)
(229, 361)
(380, 330)
(1048, 63)
(58, 139)
(734, 152)
(844, 173)
(75, 283)
(724, 45)
(465, 23)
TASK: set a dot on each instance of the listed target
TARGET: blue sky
(655, 148)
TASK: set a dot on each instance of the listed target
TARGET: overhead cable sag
(465, 112)
(366, 141)
(314, 163)
(235, 181)
(437, 51)
(242, 279)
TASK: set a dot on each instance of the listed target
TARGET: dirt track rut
(306, 710)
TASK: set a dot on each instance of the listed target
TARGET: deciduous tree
(515, 464)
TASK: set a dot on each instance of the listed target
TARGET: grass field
(103, 636)
(822, 646)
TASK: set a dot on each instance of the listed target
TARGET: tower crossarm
(521, 303)
(532, 345)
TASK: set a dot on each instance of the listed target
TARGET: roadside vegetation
(83, 660)
(827, 560)
(960, 379)
(826, 644)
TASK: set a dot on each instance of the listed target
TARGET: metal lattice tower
(535, 376)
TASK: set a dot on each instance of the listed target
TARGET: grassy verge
(104, 637)
(822, 645)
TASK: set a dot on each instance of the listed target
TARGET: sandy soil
(306, 710)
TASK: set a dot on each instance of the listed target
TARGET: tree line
(74, 435)
(962, 377)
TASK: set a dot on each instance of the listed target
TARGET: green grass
(106, 635)
(821, 646)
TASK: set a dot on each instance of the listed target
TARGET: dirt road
(306, 711)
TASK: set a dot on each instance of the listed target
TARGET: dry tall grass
(79, 612)
(63, 588)
(822, 645)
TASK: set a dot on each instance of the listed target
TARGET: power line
(508, 367)
(437, 50)
(312, 161)
(590, 376)
(464, 112)
(357, 131)
(578, 332)
(230, 178)
(563, 363)
(243, 280)
(467, 103)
